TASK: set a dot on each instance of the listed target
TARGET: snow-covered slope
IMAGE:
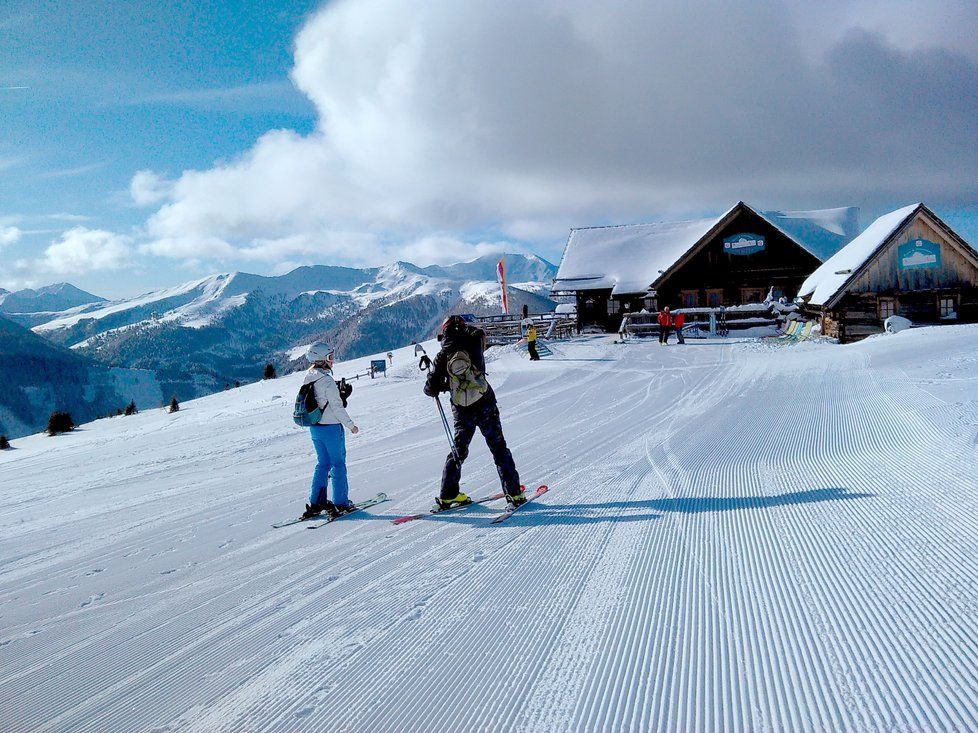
(738, 537)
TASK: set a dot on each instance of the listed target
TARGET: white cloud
(443, 249)
(81, 250)
(148, 188)
(9, 235)
(189, 247)
(527, 118)
(80, 170)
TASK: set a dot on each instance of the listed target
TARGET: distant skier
(328, 437)
(459, 369)
(665, 324)
(531, 341)
(678, 323)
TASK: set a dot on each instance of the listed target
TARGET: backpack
(307, 411)
(466, 383)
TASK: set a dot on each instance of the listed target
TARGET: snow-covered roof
(823, 232)
(627, 259)
(835, 272)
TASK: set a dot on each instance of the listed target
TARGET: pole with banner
(501, 273)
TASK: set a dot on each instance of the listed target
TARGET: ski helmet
(453, 323)
(319, 352)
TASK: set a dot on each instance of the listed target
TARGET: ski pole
(425, 365)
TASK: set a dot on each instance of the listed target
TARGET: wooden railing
(698, 320)
(508, 329)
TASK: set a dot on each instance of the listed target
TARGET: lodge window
(751, 295)
(947, 307)
(887, 308)
(689, 298)
(650, 304)
(714, 298)
(613, 306)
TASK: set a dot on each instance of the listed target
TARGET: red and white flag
(501, 273)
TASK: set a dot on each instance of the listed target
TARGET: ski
(319, 517)
(511, 510)
(432, 512)
(359, 506)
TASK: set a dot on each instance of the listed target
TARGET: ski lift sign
(919, 254)
(743, 244)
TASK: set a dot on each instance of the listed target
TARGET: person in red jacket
(678, 322)
(665, 324)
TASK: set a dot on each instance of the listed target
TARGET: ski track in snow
(738, 537)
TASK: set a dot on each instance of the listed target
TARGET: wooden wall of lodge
(916, 293)
(783, 264)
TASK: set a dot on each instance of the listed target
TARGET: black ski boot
(313, 510)
(515, 500)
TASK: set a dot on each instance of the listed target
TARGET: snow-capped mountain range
(202, 335)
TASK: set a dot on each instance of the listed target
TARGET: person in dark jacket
(459, 369)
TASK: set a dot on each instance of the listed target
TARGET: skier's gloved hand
(433, 385)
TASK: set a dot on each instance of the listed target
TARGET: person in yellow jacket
(531, 342)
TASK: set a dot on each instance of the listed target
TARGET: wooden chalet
(907, 263)
(731, 260)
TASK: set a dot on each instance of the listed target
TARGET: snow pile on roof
(834, 273)
(821, 231)
(627, 259)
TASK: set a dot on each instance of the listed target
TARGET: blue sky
(131, 86)
(145, 144)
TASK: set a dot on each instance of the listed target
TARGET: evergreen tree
(174, 405)
(60, 422)
(237, 384)
(269, 371)
(131, 408)
(4, 443)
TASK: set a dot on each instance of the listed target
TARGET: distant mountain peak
(49, 298)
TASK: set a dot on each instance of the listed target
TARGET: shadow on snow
(542, 512)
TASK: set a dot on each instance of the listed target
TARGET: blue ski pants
(330, 444)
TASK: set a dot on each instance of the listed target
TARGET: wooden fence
(508, 329)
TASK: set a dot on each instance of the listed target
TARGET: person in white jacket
(328, 437)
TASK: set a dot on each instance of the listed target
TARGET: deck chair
(805, 332)
(788, 333)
